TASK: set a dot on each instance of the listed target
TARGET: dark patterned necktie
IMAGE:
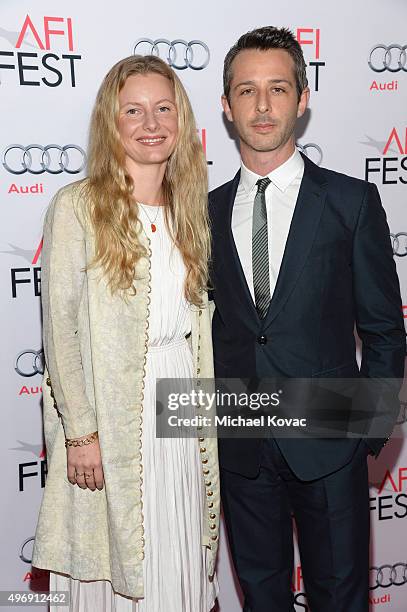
(260, 253)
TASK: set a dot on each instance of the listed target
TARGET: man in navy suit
(301, 255)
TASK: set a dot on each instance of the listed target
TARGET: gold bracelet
(84, 441)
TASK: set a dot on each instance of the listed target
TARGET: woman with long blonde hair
(128, 521)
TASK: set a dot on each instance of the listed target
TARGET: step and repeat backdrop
(53, 56)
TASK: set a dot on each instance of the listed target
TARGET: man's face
(264, 103)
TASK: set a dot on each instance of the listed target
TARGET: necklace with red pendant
(152, 222)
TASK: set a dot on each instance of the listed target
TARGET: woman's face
(148, 121)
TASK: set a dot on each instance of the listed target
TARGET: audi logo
(29, 363)
(388, 57)
(313, 151)
(179, 53)
(386, 576)
(37, 159)
(26, 549)
(399, 244)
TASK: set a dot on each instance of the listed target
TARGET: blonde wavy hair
(114, 213)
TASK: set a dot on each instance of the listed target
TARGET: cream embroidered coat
(95, 348)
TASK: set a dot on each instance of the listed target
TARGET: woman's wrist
(82, 441)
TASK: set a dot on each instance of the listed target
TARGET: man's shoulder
(219, 192)
(343, 182)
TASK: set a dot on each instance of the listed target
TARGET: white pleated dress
(175, 573)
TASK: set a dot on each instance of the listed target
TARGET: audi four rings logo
(37, 159)
(399, 244)
(313, 151)
(180, 54)
(26, 549)
(388, 57)
(386, 576)
(29, 363)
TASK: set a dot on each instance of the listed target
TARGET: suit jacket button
(262, 339)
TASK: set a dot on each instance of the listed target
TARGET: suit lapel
(304, 224)
(231, 264)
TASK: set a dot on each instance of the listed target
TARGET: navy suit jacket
(337, 272)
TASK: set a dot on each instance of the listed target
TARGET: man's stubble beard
(273, 143)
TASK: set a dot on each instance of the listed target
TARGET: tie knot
(262, 184)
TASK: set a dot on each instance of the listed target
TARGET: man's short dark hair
(264, 39)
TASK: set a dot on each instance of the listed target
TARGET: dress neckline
(151, 205)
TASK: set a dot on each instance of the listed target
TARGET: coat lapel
(231, 264)
(304, 224)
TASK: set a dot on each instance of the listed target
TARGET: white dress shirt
(281, 197)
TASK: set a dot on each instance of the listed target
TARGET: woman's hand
(84, 466)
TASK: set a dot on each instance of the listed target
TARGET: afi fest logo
(36, 59)
(391, 500)
(202, 136)
(36, 471)
(310, 40)
(24, 275)
(390, 167)
(390, 61)
(297, 587)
